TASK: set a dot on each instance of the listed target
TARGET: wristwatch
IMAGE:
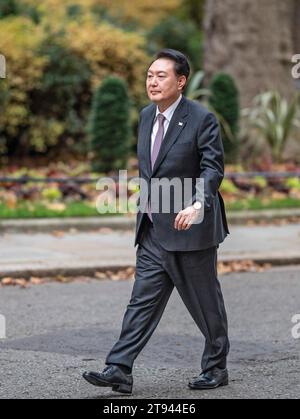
(197, 205)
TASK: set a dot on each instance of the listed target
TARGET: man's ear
(181, 82)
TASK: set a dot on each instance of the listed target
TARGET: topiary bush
(109, 127)
(224, 99)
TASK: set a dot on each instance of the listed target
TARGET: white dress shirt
(168, 113)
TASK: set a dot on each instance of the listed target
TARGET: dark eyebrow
(161, 71)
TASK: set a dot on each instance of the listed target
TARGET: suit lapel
(146, 131)
(176, 125)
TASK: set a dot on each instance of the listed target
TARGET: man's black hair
(182, 67)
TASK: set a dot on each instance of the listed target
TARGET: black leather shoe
(210, 379)
(111, 376)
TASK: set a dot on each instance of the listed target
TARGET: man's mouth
(154, 91)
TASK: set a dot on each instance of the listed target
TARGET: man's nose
(153, 82)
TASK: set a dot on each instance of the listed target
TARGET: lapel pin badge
(180, 123)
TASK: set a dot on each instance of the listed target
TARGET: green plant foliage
(57, 53)
(51, 194)
(180, 35)
(258, 204)
(192, 10)
(293, 183)
(8, 7)
(195, 89)
(273, 118)
(109, 126)
(261, 181)
(63, 97)
(224, 99)
(19, 8)
(228, 186)
(52, 70)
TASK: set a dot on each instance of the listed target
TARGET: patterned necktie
(156, 147)
(158, 138)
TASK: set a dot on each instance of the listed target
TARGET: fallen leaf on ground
(62, 278)
(105, 230)
(100, 275)
(23, 283)
(58, 233)
(7, 281)
(35, 281)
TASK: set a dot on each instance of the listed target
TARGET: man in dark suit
(178, 138)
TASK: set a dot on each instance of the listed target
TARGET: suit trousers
(194, 274)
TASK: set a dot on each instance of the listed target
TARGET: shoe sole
(121, 388)
(225, 383)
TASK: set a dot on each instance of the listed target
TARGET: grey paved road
(56, 331)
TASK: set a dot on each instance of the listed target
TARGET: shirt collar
(168, 113)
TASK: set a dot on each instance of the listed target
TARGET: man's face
(162, 84)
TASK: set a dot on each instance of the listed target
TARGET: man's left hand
(185, 218)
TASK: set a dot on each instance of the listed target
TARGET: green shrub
(273, 119)
(224, 99)
(109, 128)
(8, 7)
(63, 94)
